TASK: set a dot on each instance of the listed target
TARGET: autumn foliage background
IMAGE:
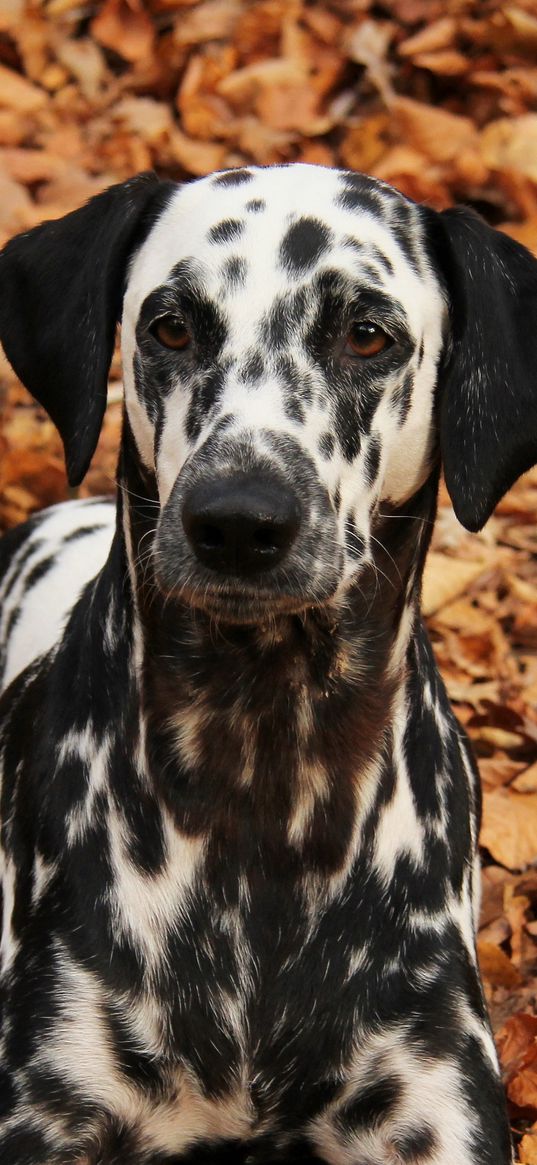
(437, 97)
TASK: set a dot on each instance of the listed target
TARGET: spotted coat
(239, 819)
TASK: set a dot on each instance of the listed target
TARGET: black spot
(348, 427)
(39, 571)
(369, 273)
(295, 379)
(256, 204)
(28, 1144)
(138, 1066)
(252, 368)
(359, 198)
(294, 409)
(402, 397)
(372, 459)
(285, 316)
(373, 1105)
(204, 397)
(233, 177)
(29, 550)
(381, 258)
(416, 1146)
(326, 444)
(12, 621)
(225, 231)
(50, 1092)
(406, 243)
(234, 271)
(337, 499)
(303, 245)
(83, 532)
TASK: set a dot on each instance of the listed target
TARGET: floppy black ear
(488, 403)
(61, 294)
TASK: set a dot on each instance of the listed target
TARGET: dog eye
(171, 332)
(366, 339)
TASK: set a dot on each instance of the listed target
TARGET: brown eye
(171, 332)
(366, 339)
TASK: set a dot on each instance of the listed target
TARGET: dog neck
(272, 737)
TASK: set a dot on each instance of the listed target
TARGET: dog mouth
(244, 545)
(226, 603)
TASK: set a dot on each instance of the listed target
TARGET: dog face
(281, 336)
(301, 347)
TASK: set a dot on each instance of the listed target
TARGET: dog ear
(62, 290)
(488, 384)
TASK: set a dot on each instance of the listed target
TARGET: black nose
(241, 524)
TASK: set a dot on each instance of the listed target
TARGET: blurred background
(438, 97)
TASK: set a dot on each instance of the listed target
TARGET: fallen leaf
(509, 829)
(495, 966)
(526, 781)
(437, 133)
(446, 578)
(511, 144)
(527, 1150)
(125, 27)
(19, 94)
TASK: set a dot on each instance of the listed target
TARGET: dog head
(300, 345)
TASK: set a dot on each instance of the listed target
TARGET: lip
(243, 606)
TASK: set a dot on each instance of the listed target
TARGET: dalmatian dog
(239, 819)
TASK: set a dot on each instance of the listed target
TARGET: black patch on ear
(225, 231)
(233, 178)
(488, 383)
(62, 290)
(305, 242)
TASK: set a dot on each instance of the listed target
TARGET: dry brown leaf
(197, 157)
(526, 781)
(509, 829)
(85, 61)
(446, 578)
(19, 94)
(368, 45)
(501, 770)
(29, 166)
(438, 35)
(212, 20)
(517, 1042)
(527, 1150)
(496, 967)
(511, 144)
(363, 145)
(438, 134)
(447, 63)
(125, 27)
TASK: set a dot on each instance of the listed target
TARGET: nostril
(209, 537)
(268, 537)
